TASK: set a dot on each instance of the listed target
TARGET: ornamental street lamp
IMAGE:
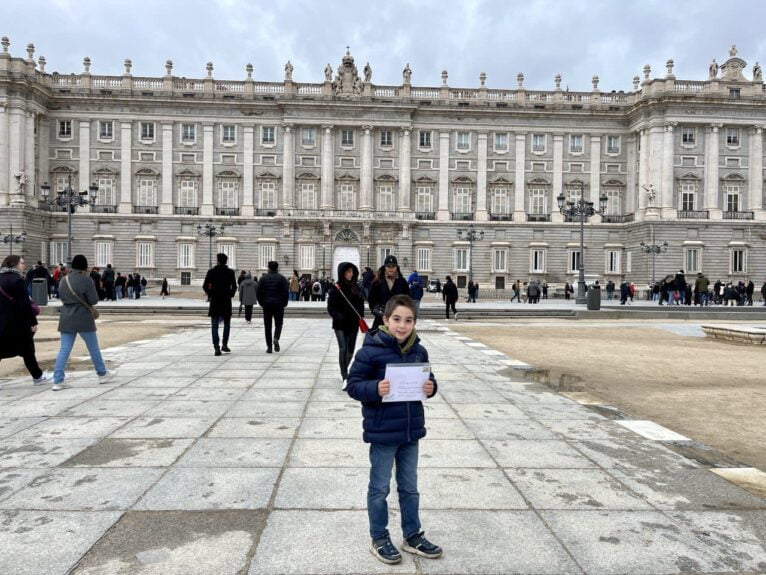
(210, 231)
(70, 200)
(582, 209)
(654, 249)
(14, 239)
(471, 235)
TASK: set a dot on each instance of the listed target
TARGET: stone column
(643, 167)
(519, 211)
(481, 179)
(288, 168)
(29, 158)
(83, 181)
(668, 180)
(656, 137)
(366, 203)
(442, 213)
(595, 169)
(558, 178)
(207, 208)
(17, 150)
(630, 188)
(405, 170)
(126, 168)
(711, 173)
(166, 202)
(328, 168)
(248, 203)
(43, 166)
(756, 172)
(5, 135)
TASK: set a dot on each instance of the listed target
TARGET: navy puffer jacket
(386, 423)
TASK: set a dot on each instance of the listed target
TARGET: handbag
(363, 327)
(93, 311)
(32, 303)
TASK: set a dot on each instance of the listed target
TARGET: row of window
(186, 257)
(689, 136)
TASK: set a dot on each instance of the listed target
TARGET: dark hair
(400, 300)
(11, 261)
(222, 259)
(79, 262)
(273, 266)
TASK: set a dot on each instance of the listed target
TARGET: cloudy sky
(541, 38)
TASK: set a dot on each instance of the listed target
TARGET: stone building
(313, 174)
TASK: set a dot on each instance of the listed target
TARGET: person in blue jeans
(78, 295)
(392, 429)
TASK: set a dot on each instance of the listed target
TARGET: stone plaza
(254, 463)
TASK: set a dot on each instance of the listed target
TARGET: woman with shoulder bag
(78, 316)
(18, 321)
(345, 303)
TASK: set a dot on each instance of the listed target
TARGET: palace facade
(311, 174)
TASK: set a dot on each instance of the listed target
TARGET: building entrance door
(344, 254)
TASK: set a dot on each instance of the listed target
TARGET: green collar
(407, 345)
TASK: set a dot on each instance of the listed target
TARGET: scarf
(17, 271)
(407, 344)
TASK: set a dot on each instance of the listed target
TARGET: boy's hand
(428, 388)
(384, 387)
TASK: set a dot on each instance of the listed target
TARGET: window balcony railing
(144, 209)
(462, 216)
(425, 215)
(269, 212)
(103, 209)
(693, 215)
(227, 211)
(538, 217)
(738, 215)
(185, 211)
(618, 219)
(501, 217)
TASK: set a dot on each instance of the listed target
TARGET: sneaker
(108, 377)
(419, 545)
(276, 345)
(225, 348)
(60, 386)
(384, 550)
(44, 378)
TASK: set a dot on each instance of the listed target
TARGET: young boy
(392, 429)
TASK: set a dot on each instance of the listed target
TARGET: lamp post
(582, 209)
(471, 235)
(70, 200)
(14, 239)
(654, 249)
(210, 231)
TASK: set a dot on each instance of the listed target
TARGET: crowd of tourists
(700, 291)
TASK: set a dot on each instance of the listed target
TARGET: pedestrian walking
(416, 293)
(247, 296)
(345, 304)
(471, 292)
(220, 285)
(516, 288)
(78, 317)
(544, 288)
(18, 318)
(273, 295)
(164, 292)
(763, 293)
(610, 291)
(393, 429)
(749, 289)
(449, 295)
(295, 286)
(107, 279)
(388, 284)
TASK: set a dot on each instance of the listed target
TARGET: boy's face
(400, 323)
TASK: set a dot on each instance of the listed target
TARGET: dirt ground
(709, 391)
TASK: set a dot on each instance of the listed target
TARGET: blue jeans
(382, 459)
(226, 329)
(67, 342)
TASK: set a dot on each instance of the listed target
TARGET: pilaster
(328, 168)
(248, 198)
(126, 168)
(519, 196)
(16, 154)
(667, 204)
(84, 159)
(442, 213)
(288, 167)
(405, 170)
(643, 169)
(558, 173)
(481, 179)
(756, 170)
(29, 158)
(711, 173)
(207, 208)
(366, 203)
(43, 166)
(631, 184)
(166, 202)
(595, 169)
(5, 191)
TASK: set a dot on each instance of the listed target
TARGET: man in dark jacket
(108, 281)
(273, 293)
(390, 282)
(220, 286)
(449, 295)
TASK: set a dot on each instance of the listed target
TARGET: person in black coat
(345, 304)
(449, 295)
(220, 286)
(18, 323)
(273, 293)
(389, 282)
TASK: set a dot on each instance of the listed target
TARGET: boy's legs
(381, 463)
(407, 487)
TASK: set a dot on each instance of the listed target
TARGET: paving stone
(344, 549)
(437, 410)
(324, 488)
(453, 453)
(271, 380)
(163, 382)
(139, 393)
(327, 452)
(216, 383)
(208, 394)
(472, 397)
(488, 411)
(11, 392)
(39, 452)
(438, 428)
(11, 480)
(277, 394)
(49, 542)
(12, 425)
(164, 427)
(536, 453)
(74, 427)
(329, 394)
(573, 489)
(94, 489)
(211, 489)
(131, 453)
(255, 427)
(73, 395)
(227, 374)
(176, 543)
(239, 452)
(640, 542)
(103, 408)
(38, 408)
(466, 488)
(587, 429)
(334, 409)
(200, 409)
(632, 454)
(267, 409)
(508, 429)
(331, 428)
